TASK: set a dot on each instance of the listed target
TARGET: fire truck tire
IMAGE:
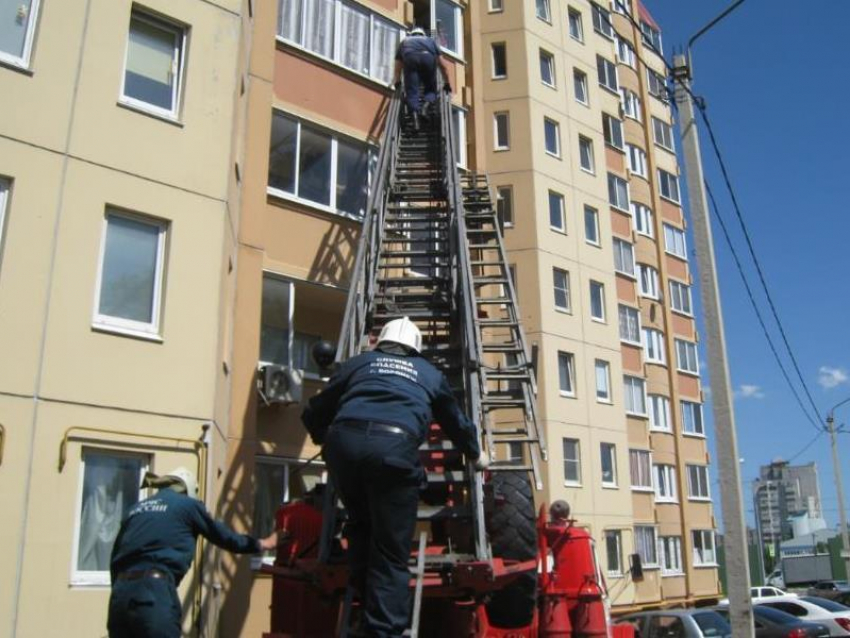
(513, 535)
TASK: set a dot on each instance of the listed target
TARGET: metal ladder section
(509, 389)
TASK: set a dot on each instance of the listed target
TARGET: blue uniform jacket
(405, 391)
(417, 44)
(160, 532)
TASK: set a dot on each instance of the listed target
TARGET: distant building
(783, 493)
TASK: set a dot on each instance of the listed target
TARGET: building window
(607, 73)
(547, 68)
(671, 555)
(692, 418)
(281, 342)
(500, 60)
(576, 27)
(651, 36)
(4, 199)
(505, 205)
(278, 481)
(635, 392)
(552, 132)
(543, 10)
(631, 104)
(608, 453)
(653, 346)
(566, 374)
(626, 52)
(648, 281)
(603, 381)
(659, 413)
(646, 546)
(153, 70)
(132, 262)
(561, 279)
(612, 129)
(668, 186)
(448, 30)
(501, 131)
(629, 319)
(656, 85)
(618, 192)
(674, 241)
(591, 225)
(556, 212)
(686, 356)
(572, 462)
(623, 7)
(680, 297)
(602, 21)
(309, 165)
(637, 160)
(698, 483)
(624, 257)
(665, 484)
(585, 153)
(640, 469)
(614, 552)
(642, 217)
(459, 135)
(704, 554)
(662, 134)
(597, 301)
(110, 488)
(580, 86)
(496, 6)
(17, 31)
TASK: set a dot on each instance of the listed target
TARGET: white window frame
(631, 104)
(5, 188)
(690, 358)
(565, 289)
(580, 79)
(610, 450)
(460, 125)
(631, 385)
(614, 571)
(643, 219)
(696, 418)
(493, 71)
(637, 161)
(178, 63)
(23, 61)
(607, 80)
(659, 413)
(670, 553)
(618, 181)
(557, 152)
(575, 461)
(680, 298)
(629, 320)
(547, 11)
(664, 478)
(653, 346)
(655, 80)
(507, 219)
(610, 125)
(600, 288)
(662, 134)
(549, 58)
(507, 119)
(575, 13)
(642, 460)
(648, 36)
(700, 556)
(81, 578)
(675, 241)
(616, 6)
(648, 281)
(120, 325)
(495, 6)
(458, 24)
(601, 19)
(699, 482)
(589, 210)
(625, 52)
(586, 143)
(562, 217)
(652, 545)
(570, 358)
(603, 392)
(620, 251)
(667, 182)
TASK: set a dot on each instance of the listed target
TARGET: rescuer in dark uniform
(153, 551)
(372, 417)
(419, 56)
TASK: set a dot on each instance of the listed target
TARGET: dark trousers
(144, 608)
(378, 476)
(420, 70)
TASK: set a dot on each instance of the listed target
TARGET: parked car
(772, 623)
(838, 590)
(759, 594)
(775, 579)
(813, 609)
(678, 623)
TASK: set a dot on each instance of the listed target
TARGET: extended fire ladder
(431, 249)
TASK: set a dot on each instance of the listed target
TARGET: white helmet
(402, 331)
(417, 31)
(187, 477)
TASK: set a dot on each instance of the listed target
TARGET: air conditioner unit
(280, 384)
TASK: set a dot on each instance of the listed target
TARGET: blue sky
(775, 80)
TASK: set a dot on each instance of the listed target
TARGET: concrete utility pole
(735, 533)
(839, 484)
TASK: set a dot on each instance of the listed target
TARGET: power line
(807, 446)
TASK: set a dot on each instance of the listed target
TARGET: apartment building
(783, 491)
(116, 194)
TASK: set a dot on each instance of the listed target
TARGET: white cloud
(831, 377)
(746, 391)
